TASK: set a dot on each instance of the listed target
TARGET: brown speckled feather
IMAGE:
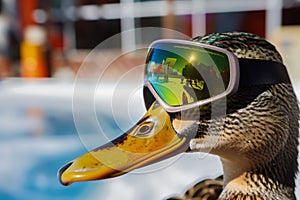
(204, 190)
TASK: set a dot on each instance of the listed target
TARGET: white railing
(128, 10)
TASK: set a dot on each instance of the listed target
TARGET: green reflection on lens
(165, 92)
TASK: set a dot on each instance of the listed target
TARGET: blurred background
(46, 44)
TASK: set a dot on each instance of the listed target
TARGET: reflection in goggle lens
(184, 74)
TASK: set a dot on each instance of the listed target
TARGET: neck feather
(268, 181)
(250, 185)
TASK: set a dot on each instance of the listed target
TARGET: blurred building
(74, 27)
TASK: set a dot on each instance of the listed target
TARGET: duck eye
(144, 130)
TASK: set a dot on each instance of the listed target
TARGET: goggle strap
(261, 72)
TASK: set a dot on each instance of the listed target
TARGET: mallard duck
(256, 139)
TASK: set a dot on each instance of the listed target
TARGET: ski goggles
(186, 74)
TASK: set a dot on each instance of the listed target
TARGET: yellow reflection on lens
(192, 58)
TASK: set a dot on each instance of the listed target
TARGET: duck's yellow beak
(153, 139)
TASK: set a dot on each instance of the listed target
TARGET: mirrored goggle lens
(184, 74)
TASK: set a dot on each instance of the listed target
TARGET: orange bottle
(33, 58)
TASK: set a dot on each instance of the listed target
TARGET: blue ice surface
(38, 136)
(31, 157)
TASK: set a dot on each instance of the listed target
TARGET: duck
(256, 138)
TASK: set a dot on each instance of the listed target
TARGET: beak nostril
(61, 171)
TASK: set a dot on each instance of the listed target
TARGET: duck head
(256, 138)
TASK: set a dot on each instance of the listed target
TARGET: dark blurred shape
(6, 43)
(91, 33)
(290, 15)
